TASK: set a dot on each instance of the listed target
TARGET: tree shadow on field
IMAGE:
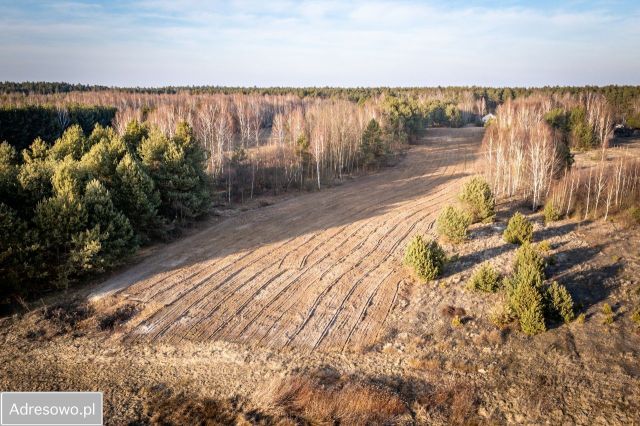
(471, 260)
(417, 182)
(587, 287)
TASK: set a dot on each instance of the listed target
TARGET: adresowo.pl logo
(51, 408)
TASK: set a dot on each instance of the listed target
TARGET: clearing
(319, 271)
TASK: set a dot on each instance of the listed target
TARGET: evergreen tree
(73, 142)
(137, 196)
(8, 173)
(134, 134)
(177, 168)
(372, 148)
(107, 229)
(34, 176)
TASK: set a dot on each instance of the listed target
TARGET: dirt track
(320, 271)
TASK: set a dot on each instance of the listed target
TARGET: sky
(321, 43)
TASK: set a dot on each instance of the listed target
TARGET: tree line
(85, 203)
(622, 99)
(20, 125)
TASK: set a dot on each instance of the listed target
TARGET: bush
(607, 311)
(634, 214)
(519, 230)
(559, 303)
(524, 290)
(526, 302)
(485, 278)
(551, 213)
(425, 258)
(453, 224)
(478, 199)
(635, 317)
(501, 315)
(529, 255)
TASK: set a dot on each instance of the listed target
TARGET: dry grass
(337, 400)
(164, 407)
(455, 405)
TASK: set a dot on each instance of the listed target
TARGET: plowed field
(318, 271)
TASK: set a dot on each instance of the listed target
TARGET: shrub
(453, 224)
(529, 255)
(501, 315)
(519, 230)
(524, 290)
(477, 196)
(551, 213)
(559, 302)
(634, 214)
(526, 301)
(485, 278)
(635, 316)
(426, 258)
(456, 322)
(607, 311)
(329, 398)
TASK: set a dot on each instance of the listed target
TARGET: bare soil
(301, 313)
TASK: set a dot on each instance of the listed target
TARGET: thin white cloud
(318, 43)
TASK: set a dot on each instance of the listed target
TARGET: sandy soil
(315, 284)
(321, 270)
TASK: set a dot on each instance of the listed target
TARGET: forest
(90, 173)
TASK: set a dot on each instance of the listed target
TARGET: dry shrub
(67, 315)
(164, 407)
(340, 400)
(117, 317)
(455, 405)
(453, 311)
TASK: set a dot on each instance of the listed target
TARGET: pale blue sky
(318, 43)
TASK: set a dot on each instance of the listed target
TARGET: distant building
(488, 117)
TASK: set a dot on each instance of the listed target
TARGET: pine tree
(35, 173)
(134, 134)
(372, 148)
(177, 168)
(137, 196)
(8, 173)
(107, 228)
(73, 142)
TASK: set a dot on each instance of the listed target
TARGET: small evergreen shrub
(453, 224)
(635, 317)
(607, 311)
(478, 199)
(526, 302)
(485, 278)
(525, 290)
(551, 213)
(425, 258)
(456, 322)
(580, 319)
(544, 247)
(519, 230)
(559, 303)
(529, 255)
